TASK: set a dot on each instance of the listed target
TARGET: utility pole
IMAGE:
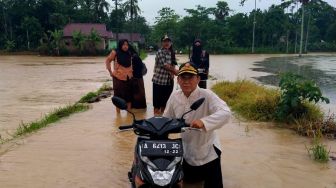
(287, 41)
(302, 26)
(254, 24)
(307, 34)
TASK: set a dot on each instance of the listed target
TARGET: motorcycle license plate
(161, 148)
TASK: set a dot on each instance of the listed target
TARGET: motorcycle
(157, 158)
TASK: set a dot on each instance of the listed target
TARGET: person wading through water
(163, 77)
(138, 88)
(122, 72)
(200, 58)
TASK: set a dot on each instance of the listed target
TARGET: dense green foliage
(27, 23)
(295, 92)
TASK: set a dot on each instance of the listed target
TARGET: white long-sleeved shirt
(198, 146)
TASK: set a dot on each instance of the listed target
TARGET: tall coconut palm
(95, 8)
(117, 17)
(222, 10)
(132, 8)
(100, 7)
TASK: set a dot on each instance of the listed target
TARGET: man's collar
(193, 93)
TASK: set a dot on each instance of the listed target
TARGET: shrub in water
(318, 151)
(295, 90)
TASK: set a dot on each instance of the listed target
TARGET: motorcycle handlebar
(187, 127)
(125, 127)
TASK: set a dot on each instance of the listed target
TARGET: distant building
(108, 39)
(136, 39)
(85, 29)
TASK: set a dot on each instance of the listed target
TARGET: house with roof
(108, 39)
(86, 29)
(136, 39)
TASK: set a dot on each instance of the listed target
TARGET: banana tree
(56, 39)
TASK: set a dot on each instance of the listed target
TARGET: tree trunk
(296, 36)
(5, 23)
(302, 26)
(287, 41)
(28, 45)
(307, 34)
(254, 24)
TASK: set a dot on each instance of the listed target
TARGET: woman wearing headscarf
(122, 73)
(200, 58)
(138, 88)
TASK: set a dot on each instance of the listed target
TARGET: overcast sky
(151, 7)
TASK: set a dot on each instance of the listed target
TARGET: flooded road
(85, 150)
(31, 86)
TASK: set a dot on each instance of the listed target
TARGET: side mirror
(119, 103)
(197, 104)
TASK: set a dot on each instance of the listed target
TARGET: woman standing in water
(138, 88)
(122, 73)
(201, 59)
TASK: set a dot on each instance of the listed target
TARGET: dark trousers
(203, 82)
(210, 173)
(161, 94)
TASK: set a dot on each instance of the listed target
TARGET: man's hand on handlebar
(198, 124)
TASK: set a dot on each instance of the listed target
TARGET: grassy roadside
(259, 103)
(50, 118)
(57, 114)
(94, 96)
(143, 54)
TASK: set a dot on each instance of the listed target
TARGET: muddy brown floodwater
(86, 150)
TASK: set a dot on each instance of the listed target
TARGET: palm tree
(99, 8)
(132, 8)
(222, 10)
(95, 9)
(117, 18)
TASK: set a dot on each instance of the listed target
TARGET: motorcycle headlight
(161, 178)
